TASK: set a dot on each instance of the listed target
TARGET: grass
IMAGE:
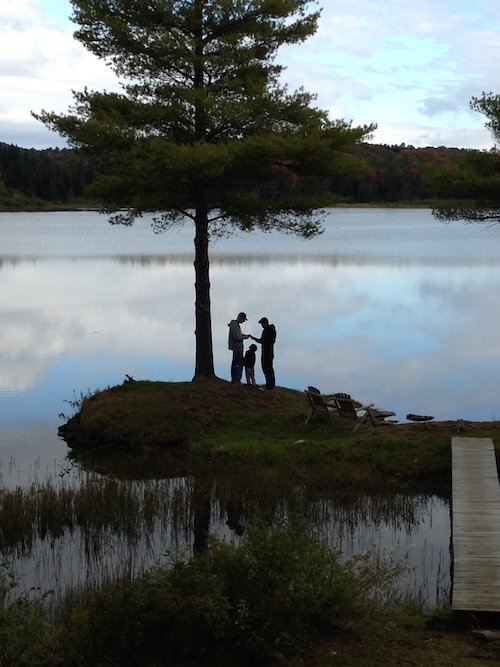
(95, 506)
(394, 640)
(221, 424)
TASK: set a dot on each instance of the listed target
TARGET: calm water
(390, 306)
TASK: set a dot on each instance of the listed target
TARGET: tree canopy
(474, 182)
(203, 130)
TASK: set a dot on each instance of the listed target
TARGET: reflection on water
(388, 305)
(165, 518)
(411, 529)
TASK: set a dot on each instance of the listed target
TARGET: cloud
(395, 134)
(400, 64)
(433, 106)
(41, 64)
(405, 66)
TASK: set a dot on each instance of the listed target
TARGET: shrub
(280, 586)
(170, 613)
(26, 639)
(284, 586)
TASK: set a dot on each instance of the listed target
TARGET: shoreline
(217, 423)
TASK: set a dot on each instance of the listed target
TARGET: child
(249, 363)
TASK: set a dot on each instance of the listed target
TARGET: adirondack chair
(317, 403)
(346, 406)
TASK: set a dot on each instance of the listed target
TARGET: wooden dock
(475, 526)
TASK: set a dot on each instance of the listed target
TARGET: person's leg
(237, 366)
(267, 368)
(234, 367)
(272, 380)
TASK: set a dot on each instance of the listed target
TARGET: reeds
(83, 529)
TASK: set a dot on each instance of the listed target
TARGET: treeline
(396, 173)
(31, 178)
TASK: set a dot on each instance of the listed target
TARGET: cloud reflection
(407, 335)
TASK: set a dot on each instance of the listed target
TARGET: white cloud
(403, 65)
(41, 64)
(412, 68)
(426, 135)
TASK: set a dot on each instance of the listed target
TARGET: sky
(409, 67)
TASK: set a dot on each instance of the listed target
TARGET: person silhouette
(267, 341)
(235, 344)
(249, 364)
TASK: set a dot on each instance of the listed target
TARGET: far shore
(68, 207)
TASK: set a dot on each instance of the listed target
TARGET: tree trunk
(204, 365)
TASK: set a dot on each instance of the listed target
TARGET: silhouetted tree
(203, 129)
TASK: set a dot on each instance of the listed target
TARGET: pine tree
(203, 130)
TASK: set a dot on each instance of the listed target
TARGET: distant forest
(32, 178)
(51, 178)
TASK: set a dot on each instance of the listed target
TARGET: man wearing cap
(235, 343)
(267, 341)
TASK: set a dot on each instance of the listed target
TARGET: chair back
(345, 405)
(316, 401)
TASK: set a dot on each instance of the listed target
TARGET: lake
(388, 305)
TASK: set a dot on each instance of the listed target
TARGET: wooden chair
(346, 406)
(317, 403)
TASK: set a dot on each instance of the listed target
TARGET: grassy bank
(224, 424)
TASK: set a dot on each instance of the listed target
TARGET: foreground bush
(279, 587)
(26, 639)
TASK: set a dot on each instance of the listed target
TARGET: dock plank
(475, 525)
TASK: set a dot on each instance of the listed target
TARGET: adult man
(235, 343)
(267, 341)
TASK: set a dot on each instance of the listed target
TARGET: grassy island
(220, 423)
